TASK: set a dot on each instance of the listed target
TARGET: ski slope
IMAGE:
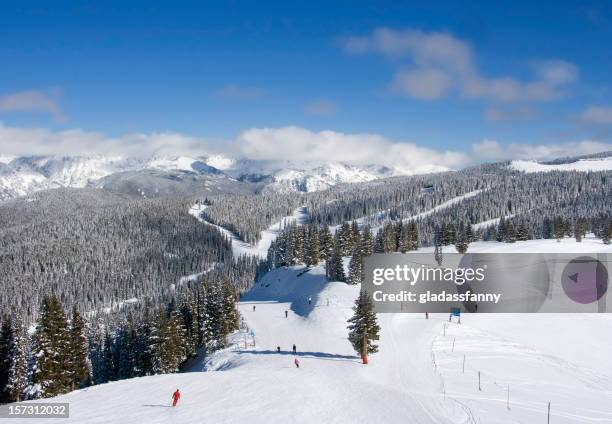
(418, 376)
(260, 250)
(581, 165)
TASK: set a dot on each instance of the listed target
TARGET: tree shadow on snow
(315, 355)
(300, 287)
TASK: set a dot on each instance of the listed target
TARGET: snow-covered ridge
(582, 165)
(24, 175)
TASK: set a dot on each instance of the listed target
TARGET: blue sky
(444, 76)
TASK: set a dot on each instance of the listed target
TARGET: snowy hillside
(582, 165)
(426, 370)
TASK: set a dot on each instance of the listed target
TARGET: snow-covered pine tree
(355, 274)
(326, 243)
(79, 351)
(367, 244)
(522, 233)
(214, 309)
(334, 268)
(51, 350)
(344, 239)
(469, 231)
(413, 240)
(510, 233)
(17, 363)
(204, 319)
(461, 242)
(606, 233)
(229, 315)
(5, 337)
(404, 236)
(363, 327)
(501, 229)
(355, 234)
(312, 248)
(143, 364)
(581, 226)
(168, 342)
(176, 341)
(559, 228)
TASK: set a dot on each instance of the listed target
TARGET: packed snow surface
(584, 165)
(425, 372)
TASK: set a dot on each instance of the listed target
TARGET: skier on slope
(253, 308)
(286, 313)
(175, 397)
(294, 349)
(296, 361)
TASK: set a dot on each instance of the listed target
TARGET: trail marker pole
(463, 368)
(548, 413)
(453, 344)
(479, 388)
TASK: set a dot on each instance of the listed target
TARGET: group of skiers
(177, 394)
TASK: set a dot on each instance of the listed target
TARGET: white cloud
(294, 143)
(321, 108)
(285, 143)
(33, 101)
(597, 115)
(491, 150)
(427, 84)
(443, 64)
(42, 141)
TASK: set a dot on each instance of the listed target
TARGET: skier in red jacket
(175, 397)
(296, 361)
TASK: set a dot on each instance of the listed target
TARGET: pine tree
(345, 239)
(355, 234)
(326, 243)
(5, 339)
(522, 233)
(313, 248)
(51, 350)
(510, 233)
(501, 229)
(229, 313)
(461, 243)
(469, 231)
(367, 245)
(17, 364)
(79, 349)
(413, 240)
(168, 342)
(559, 228)
(363, 327)
(334, 268)
(606, 233)
(356, 267)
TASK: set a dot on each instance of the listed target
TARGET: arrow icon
(574, 277)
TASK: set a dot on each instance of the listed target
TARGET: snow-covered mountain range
(153, 176)
(194, 175)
